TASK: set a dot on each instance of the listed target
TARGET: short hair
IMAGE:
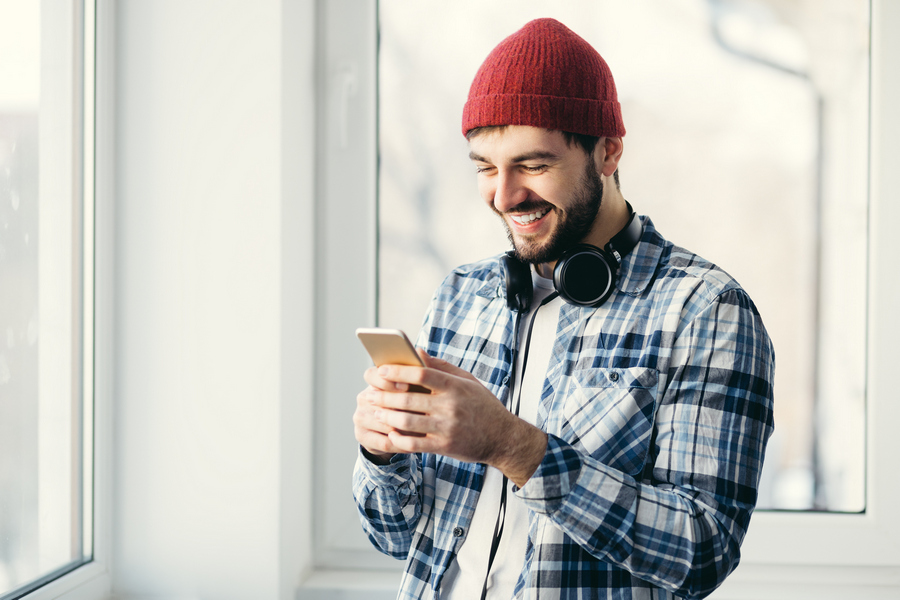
(587, 142)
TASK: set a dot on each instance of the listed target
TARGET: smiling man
(601, 398)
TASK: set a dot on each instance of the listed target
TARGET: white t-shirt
(464, 578)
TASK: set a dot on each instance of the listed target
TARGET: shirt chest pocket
(609, 414)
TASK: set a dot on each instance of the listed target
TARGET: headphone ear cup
(517, 276)
(584, 276)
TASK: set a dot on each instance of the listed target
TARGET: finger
(410, 402)
(407, 423)
(364, 418)
(413, 376)
(438, 364)
(376, 443)
(373, 399)
(379, 439)
(413, 443)
(375, 379)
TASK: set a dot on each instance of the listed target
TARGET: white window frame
(91, 581)
(786, 554)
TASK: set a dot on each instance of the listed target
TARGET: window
(47, 300)
(737, 115)
(788, 553)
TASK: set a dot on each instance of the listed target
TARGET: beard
(572, 226)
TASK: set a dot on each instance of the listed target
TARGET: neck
(611, 218)
(545, 270)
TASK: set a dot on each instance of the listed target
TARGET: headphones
(585, 275)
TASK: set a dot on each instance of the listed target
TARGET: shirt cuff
(554, 478)
(396, 472)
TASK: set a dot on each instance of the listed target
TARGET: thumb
(438, 364)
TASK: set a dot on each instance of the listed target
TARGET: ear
(607, 155)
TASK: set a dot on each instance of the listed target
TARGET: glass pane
(42, 508)
(747, 143)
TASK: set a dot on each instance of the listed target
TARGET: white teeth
(526, 219)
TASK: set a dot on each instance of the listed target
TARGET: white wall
(212, 183)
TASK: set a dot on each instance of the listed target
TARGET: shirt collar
(641, 264)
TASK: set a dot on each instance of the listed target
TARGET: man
(597, 431)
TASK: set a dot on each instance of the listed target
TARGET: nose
(508, 191)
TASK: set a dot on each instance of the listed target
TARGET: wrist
(376, 458)
(521, 451)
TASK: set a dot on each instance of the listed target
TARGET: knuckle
(412, 444)
(445, 449)
(453, 411)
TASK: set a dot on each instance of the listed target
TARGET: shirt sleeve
(388, 502)
(681, 525)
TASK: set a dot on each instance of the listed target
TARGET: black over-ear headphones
(585, 275)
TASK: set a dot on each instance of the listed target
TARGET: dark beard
(572, 227)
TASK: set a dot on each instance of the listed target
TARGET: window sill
(791, 582)
(748, 582)
(90, 582)
(350, 585)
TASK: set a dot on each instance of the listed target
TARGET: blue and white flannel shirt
(657, 405)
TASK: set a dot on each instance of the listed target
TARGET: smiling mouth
(529, 217)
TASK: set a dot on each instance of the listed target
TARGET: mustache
(529, 206)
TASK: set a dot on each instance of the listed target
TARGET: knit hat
(545, 75)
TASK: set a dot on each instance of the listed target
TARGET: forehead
(507, 143)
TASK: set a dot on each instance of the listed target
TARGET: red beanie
(545, 75)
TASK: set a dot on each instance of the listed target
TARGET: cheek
(486, 190)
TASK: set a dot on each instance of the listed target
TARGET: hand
(460, 418)
(370, 432)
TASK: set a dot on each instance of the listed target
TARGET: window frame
(786, 554)
(91, 580)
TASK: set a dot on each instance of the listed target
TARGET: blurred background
(746, 143)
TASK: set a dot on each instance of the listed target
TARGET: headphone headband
(628, 237)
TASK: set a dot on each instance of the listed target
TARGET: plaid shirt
(657, 406)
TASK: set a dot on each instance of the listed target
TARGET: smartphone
(391, 347)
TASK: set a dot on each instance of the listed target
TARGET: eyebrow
(533, 155)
